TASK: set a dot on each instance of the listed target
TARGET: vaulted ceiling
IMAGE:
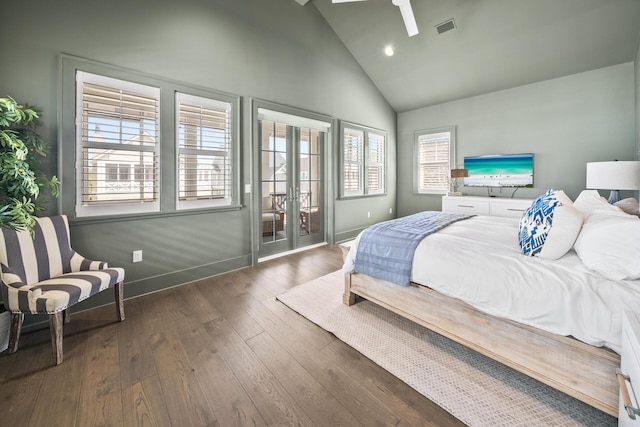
(496, 45)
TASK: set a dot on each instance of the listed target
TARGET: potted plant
(21, 177)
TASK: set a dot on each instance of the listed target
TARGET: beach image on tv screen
(504, 170)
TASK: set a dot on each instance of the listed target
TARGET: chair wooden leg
(55, 326)
(66, 316)
(14, 332)
(119, 290)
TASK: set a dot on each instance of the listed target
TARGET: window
(363, 161)
(375, 163)
(204, 151)
(133, 143)
(118, 172)
(434, 160)
(117, 131)
(123, 172)
(111, 172)
(353, 145)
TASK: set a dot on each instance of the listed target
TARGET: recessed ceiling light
(388, 50)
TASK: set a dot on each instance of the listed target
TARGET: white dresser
(629, 373)
(494, 206)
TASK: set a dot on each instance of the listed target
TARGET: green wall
(272, 50)
(565, 122)
(637, 92)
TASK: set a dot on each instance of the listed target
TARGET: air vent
(446, 26)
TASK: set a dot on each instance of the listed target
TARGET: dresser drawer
(511, 208)
(630, 367)
(494, 206)
(465, 205)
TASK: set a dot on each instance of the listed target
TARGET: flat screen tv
(500, 170)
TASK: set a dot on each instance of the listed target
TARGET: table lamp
(456, 174)
(614, 176)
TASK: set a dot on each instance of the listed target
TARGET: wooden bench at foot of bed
(580, 370)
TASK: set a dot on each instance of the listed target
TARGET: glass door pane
(309, 181)
(273, 182)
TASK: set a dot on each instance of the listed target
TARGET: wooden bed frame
(580, 370)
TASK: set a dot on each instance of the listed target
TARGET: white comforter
(478, 261)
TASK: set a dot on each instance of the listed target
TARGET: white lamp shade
(613, 175)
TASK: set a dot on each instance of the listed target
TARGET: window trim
(365, 192)
(416, 151)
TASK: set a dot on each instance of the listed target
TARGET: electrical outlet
(137, 256)
(368, 214)
(390, 210)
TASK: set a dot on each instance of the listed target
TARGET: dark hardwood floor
(219, 352)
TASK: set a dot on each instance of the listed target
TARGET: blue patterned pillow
(535, 223)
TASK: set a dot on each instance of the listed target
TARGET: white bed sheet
(478, 261)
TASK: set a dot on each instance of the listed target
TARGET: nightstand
(629, 372)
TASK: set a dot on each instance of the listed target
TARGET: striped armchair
(40, 273)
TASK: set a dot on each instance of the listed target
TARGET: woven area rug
(475, 389)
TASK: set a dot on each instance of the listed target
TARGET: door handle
(292, 196)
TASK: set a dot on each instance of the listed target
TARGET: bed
(556, 320)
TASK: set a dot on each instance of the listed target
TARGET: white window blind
(375, 164)
(363, 161)
(204, 151)
(117, 134)
(353, 166)
(433, 162)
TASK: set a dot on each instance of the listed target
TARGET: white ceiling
(498, 44)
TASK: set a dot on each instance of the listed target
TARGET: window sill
(362, 196)
(151, 215)
(431, 193)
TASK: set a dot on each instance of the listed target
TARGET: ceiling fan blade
(407, 16)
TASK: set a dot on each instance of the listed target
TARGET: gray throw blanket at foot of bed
(385, 250)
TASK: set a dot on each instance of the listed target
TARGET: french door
(291, 187)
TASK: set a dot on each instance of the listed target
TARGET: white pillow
(567, 223)
(629, 206)
(610, 246)
(589, 202)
